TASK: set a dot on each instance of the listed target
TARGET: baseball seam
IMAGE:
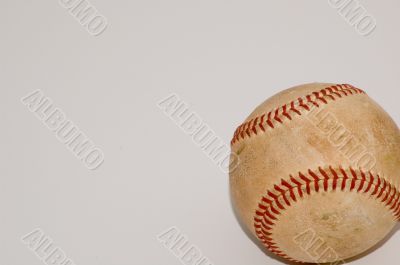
(289, 191)
(268, 121)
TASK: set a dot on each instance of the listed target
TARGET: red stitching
(293, 108)
(387, 195)
(376, 187)
(301, 103)
(317, 95)
(325, 94)
(282, 114)
(309, 99)
(395, 202)
(248, 128)
(363, 179)
(254, 126)
(261, 123)
(276, 116)
(336, 91)
(266, 214)
(371, 179)
(269, 121)
(316, 179)
(335, 178)
(326, 178)
(353, 181)
(345, 178)
(298, 184)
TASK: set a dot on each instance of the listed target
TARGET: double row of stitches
(289, 191)
(296, 107)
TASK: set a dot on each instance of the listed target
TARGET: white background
(222, 57)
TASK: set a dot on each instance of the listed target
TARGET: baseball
(318, 178)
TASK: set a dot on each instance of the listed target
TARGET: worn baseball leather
(343, 151)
